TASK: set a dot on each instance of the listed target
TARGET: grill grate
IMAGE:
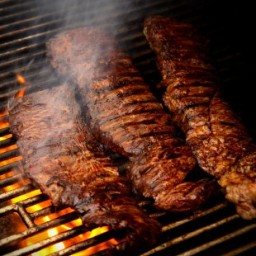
(25, 27)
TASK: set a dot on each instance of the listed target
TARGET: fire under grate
(29, 223)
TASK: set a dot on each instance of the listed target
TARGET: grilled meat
(124, 114)
(215, 133)
(66, 162)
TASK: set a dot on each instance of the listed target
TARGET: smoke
(64, 14)
(50, 17)
(46, 20)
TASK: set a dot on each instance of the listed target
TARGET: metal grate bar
(221, 240)
(36, 229)
(196, 216)
(243, 249)
(11, 180)
(84, 245)
(24, 32)
(17, 192)
(192, 234)
(46, 242)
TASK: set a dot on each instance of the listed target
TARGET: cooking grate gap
(14, 16)
(10, 181)
(244, 249)
(92, 17)
(223, 230)
(22, 59)
(133, 14)
(36, 229)
(32, 76)
(195, 229)
(226, 243)
(7, 139)
(88, 244)
(43, 11)
(16, 192)
(12, 153)
(35, 83)
(176, 245)
(204, 216)
(7, 166)
(21, 43)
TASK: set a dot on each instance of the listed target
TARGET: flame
(5, 137)
(4, 112)
(51, 232)
(98, 247)
(20, 93)
(9, 161)
(4, 124)
(22, 81)
(8, 148)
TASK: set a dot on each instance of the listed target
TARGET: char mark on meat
(216, 135)
(126, 116)
(65, 161)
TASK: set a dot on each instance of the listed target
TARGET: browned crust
(216, 135)
(67, 163)
(125, 115)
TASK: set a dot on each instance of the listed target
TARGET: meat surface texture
(124, 115)
(65, 161)
(215, 133)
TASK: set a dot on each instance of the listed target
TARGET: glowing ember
(9, 148)
(4, 124)
(56, 230)
(9, 161)
(100, 246)
(25, 196)
(51, 232)
(4, 113)
(5, 137)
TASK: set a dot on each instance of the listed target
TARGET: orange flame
(22, 81)
(9, 161)
(8, 148)
(4, 112)
(51, 232)
(3, 124)
(5, 137)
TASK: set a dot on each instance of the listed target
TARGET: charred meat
(125, 115)
(65, 161)
(215, 133)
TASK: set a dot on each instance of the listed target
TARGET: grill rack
(218, 218)
(214, 230)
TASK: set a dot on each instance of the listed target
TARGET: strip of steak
(124, 114)
(215, 133)
(66, 162)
